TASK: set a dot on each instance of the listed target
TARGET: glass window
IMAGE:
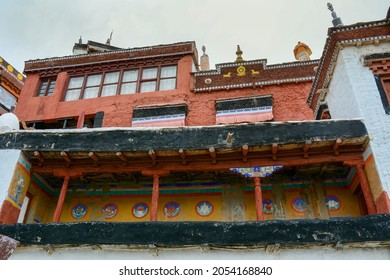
(167, 84)
(130, 76)
(47, 87)
(148, 86)
(149, 73)
(93, 80)
(128, 88)
(109, 90)
(111, 78)
(168, 72)
(74, 88)
(7, 99)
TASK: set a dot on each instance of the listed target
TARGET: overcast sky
(32, 29)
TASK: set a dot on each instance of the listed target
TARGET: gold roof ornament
(239, 54)
(302, 52)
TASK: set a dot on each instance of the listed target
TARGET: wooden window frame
(383, 84)
(120, 82)
(49, 90)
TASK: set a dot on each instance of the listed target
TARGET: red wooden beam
(365, 189)
(121, 156)
(95, 158)
(336, 147)
(258, 199)
(66, 157)
(39, 157)
(155, 196)
(306, 149)
(153, 156)
(61, 199)
(213, 155)
(274, 151)
(183, 156)
(245, 149)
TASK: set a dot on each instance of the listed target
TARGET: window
(383, 84)
(122, 82)
(47, 87)
(7, 100)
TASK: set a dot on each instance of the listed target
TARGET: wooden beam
(153, 156)
(94, 157)
(274, 151)
(61, 199)
(213, 155)
(306, 149)
(336, 147)
(155, 196)
(39, 157)
(258, 199)
(66, 157)
(108, 166)
(183, 156)
(122, 157)
(365, 189)
(245, 149)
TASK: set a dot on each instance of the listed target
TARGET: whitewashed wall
(353, 93)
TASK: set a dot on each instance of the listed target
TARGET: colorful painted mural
(19, 182)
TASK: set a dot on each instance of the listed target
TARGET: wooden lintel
(306, 148)
(121, 156)
(153, 156)
(66, 157)
(39, 157)
(183, 156)
(245, 149)
(213, 155)
(274, 151)
(336, 147)
(159, 172)
(94, 157)
(353, 163)
(206, 165)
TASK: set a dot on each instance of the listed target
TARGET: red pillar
(366, 190)
(80, 121)
(61, 200)
(258, 199)
(155, 195)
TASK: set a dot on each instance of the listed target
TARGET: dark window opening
(47, 87)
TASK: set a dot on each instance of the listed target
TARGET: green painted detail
(43, 185)
(24, 161)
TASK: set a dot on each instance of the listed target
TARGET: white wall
(121, 253)
(353, 93)
(8, 161)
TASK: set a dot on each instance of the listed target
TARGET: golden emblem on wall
(241, 71)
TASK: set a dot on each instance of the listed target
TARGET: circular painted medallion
(204, 208)
(299, 205)
(268, 206)
(332, 203)
(110, 210)
(140, 210)
(171, 209)
(79, 211)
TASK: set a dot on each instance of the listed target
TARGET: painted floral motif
(204, 208)
(171, 209)
(79, 211)
(110, 210)
(299, 205)
(140, 210)
(268, 206)
(332, 203)
(257, 171)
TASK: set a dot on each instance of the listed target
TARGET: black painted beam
(375, 228)
(187, 138)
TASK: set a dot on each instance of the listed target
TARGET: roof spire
(239, 54)
(80, 40)
(336, 20)
(109, 39)
(204, 60)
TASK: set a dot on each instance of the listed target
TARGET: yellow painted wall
(349, 203)
(373, 178)
(41, 205)
(125, 206)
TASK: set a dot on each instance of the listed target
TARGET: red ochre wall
(289, 101)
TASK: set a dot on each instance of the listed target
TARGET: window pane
(94, 80)
(91, 92)
(167, 84)
(109, 90)
(76, 82)
(42, 91)
(51, 88)
(149, 73)
(111, 78)
(130, 76)
(72, 94)
(128, 88)
(148, 86)
(6, 98)
(168, 72)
